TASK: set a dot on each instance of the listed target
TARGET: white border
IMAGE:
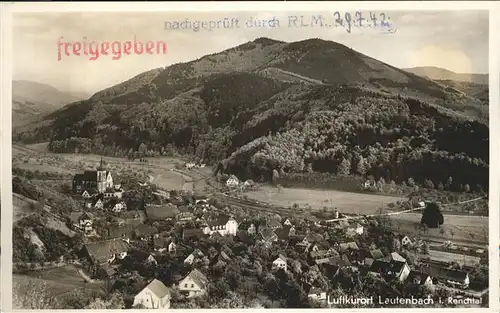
(6, 123)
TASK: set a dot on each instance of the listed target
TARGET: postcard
(323, 155)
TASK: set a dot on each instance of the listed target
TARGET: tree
(344, 167)
(32, 296)
(466, 188)
(361, 167)
(432, 216)
(115, 302)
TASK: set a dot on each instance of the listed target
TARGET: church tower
(101, 177)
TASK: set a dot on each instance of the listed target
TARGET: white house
(154, 296)
(85, 221)
(280, 263)
(172, 248)
(406, 241)
(317, 294)
(98, 204)
(113, 193)
(224, 225)
(189, 259)
(118, 207)
(356, 228)
(194, 284)
(419, 278)
(287, 222)
(86, 194)
(190, 165)
(232, 182)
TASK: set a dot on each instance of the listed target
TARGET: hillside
(478, 91)
(305, 106)
(437, 73)
(31, 100)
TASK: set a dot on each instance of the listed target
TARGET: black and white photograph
(251, 159)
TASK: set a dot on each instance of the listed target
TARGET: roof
(90, 175)
(192, 232)
(158, 288)
(380, 267)
(272, 223)
(348, 245)
(160, 212)
(108, 269)
(222, 219)
(321, 254)
(376, 254)
(397, 266)
(397, 257)
(267, 234)
(144, 229)
(314, 238)
(104, 250)
(283, 232)
(448, 274)
(120, 231)
(340, 261)
(280, 257)
(417, 277)
(199, 278)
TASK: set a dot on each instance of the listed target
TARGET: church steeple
(101, 165)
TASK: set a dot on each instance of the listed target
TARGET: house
(188, 233)
(190, 165)
(355, 229)
(110, 193)
(394, 256)
(343, 247)
(249, 183)
(98, 204)
(267, 236)
(144, 232)
(115, 206)
(185, 217)
(376, 254)
(86, 194)
(172, 247)
(106, 251)
(283, 233)
(194, 284)
(389, 270)
(419, 278)
(223, 224)
(161, 212)
(99, 179)
(232, 182)
(273, 224)
(154, 296)
(311, 239)
(317, 294)
(196, 254)
(124, 232)
(406, 241)
(321, 254)
(287, 222)
(108, 270)
(142, 256)
(247, 227)
(280, 263)
(458, 279)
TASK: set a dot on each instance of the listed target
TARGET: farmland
(346, 202)
(462, 259)
(58, 281)
(471, 230)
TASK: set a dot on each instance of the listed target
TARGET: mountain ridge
(31, 100)
(438, 73)
(341, 105)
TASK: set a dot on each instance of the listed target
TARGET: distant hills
(299, 107)
(31, 100)
(437, 73)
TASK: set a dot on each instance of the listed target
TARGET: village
(175, 247)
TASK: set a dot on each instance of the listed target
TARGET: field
(462, 229)
(454, 257)
(345, 202)
(35, 157)
(58, 281)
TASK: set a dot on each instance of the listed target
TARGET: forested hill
(312, 105)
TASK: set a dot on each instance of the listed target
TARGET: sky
(454, 40)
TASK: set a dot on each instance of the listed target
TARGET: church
(98, 180)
